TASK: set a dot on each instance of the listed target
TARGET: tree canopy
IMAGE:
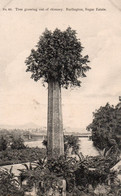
(106, 127)
(58, 57)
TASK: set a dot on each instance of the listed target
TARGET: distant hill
(34, 126)
(75, 130)
(23, 126)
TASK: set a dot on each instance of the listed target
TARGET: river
(86, 146)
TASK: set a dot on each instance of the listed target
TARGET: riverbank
(36, 150)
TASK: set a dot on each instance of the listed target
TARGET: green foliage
(71, 142)
(28, 174)
(3, 143)
(85, 171)
(95, 170)
(15, 156)
(88, 176)
(17, 143)
(58, 57)
(9, 186)
(62, 166)
(106, 127)
(83, 177)
(45, 174)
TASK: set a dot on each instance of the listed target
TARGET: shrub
(83, 176)
(106, 126)
(17, 143)
(8, 184)
(3, 143)
(14, 156)
(72, 142)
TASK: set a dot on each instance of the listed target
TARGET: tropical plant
(84, 176)
(9, 185)
(71, 142)
(58, 57)
(27, 175)
(40, 163)
(17, 143)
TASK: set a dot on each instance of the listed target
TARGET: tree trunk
(55, 144)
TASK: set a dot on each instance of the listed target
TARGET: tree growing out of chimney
(58, 61)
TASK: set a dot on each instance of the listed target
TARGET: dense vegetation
(13, 142)
(14, 156)
(106, 127)
(13, 150)
(58, 56)
(17, 143)
(3, 143)
(86, 176)
(9, 185)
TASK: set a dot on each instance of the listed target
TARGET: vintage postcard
(46, 48)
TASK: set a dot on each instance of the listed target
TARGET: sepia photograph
(60, 98)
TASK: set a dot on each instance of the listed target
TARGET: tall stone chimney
(55, 143)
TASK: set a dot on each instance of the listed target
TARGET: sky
(21, 99)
